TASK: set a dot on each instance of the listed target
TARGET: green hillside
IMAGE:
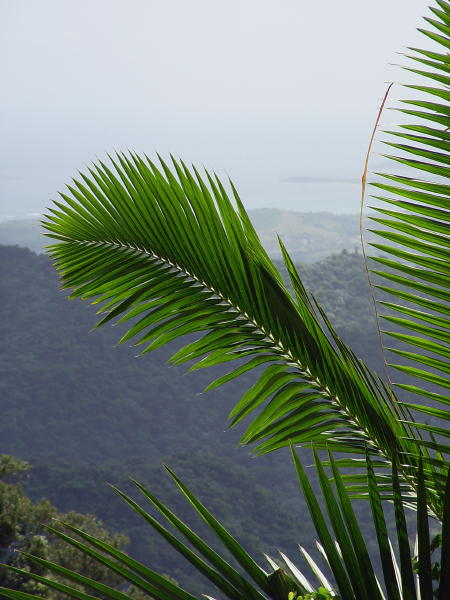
(85, 412)
(50, 364)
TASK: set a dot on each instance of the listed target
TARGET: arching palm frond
(414, 213)
(169, 253)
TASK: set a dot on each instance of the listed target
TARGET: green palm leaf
(415, 216)
(168, 252)
(168, 284)
(356, 578)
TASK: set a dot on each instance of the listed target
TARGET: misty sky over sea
(281, 95)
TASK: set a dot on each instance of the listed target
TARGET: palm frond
(348, 556)
(414, 214)
(168, 252)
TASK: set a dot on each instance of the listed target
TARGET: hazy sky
(261, 90)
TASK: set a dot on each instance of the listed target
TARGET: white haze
(260, 90)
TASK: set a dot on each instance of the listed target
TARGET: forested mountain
(52, 366)
(84, 411)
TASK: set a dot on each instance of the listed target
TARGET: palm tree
(170, 250)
